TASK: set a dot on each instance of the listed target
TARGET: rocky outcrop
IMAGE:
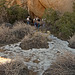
(72, 42)
(37, 7)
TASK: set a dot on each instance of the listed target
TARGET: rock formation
(37, 7)
(72, 42)
(22, 3)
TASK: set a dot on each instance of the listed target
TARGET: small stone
(27, 59)
(58, 51)
(36, 61)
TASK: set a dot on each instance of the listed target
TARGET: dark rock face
(72, 42)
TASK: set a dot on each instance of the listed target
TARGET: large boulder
(72, 42)
(37, 7)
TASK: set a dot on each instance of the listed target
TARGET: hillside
(37, 37)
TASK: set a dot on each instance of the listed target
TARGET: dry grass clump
(64, 65)
(37, 40)
(14, 68)
(14, 35)
(3, 13)
(6, 36)
(23, 29)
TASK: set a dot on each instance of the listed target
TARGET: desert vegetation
(15, 67)
(12, 14)
(62, 26)
(16, 13)
(14, 30)
(64, 65)
(14, 35)
(36, 40)
(3, 12)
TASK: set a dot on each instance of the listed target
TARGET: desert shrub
(50, 15)
(15, 67)
(64, 65)
(16, 12)
(3, 12)
(11, 14)
(14, 35)
(6, 36)
(62, 26)
(37, 40)
(66, 25)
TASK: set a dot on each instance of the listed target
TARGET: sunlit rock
(4, 60)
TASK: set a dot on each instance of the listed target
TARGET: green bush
(66, 25)
(11, 14)
(50, 15)
(62, 26)
(2, 3)
(16, 13)
(3, 12)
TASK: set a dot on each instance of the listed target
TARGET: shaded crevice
(41, 4)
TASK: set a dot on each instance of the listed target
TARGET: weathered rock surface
(72, 42)
(22, 3)
(37, 7)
